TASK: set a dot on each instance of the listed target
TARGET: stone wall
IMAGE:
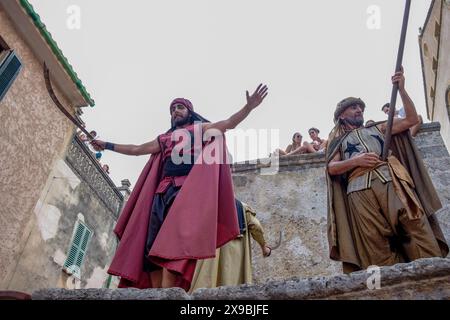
(33, 135)
(426, 279)
(77, 190)
(294, 201)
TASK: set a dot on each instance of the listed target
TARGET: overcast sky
(136, 56)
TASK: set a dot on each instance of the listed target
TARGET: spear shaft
(398, 67)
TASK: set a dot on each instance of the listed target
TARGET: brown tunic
(372, 225)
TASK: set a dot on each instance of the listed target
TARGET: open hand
(257, 97)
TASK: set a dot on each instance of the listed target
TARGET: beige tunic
(232, 265)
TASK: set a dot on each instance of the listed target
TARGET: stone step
(419, 280)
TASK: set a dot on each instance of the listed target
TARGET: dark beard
(354, 122)
(182, 122)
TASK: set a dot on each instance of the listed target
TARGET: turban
(195, 117)
(184, 102)
(346, 103)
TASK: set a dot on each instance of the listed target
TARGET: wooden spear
(398, 67)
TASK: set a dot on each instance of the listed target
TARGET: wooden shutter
(78, 249)
(10, 66)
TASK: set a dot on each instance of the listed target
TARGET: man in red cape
(179, 211)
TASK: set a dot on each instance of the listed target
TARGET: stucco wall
(75, 190)
(435, 45)
(294, 200)
(33, 134)
(442, 113)
(429, 49)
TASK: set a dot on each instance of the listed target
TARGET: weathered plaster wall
(33, 134)
(435, 46)
(294, 200)
(429, 50)
(442, 113)
(76, 189)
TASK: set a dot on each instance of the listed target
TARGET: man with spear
(381, 201)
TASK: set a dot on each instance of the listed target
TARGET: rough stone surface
(421, 279)
(109, 294)
(294, 201)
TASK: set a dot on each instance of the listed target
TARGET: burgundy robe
(202, 218)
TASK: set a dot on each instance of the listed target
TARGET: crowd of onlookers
(298, 146)
(318, 145)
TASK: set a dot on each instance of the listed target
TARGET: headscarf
(185, 102)
(339, 129)
(195, 117)
(346, 103)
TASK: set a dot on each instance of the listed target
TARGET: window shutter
(9, 69)
(78, 249)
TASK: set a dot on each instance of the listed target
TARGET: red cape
(202, 218)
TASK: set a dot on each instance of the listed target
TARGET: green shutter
(9, 69)
(78, 249)
(108, 282)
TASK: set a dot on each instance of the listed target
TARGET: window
(4, 50)
(435, 65)
(437, 30)
(447, 96)
(3, 45)
(78, 249)
(10, 66)
(447, 100)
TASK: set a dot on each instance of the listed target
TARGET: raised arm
(128, 149)
(253, 101)
(411, 118)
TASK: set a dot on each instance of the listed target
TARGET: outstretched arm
(253, 101)
(129, 149)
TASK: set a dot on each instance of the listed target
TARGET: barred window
(78, 249)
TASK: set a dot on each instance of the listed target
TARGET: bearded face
(353, 116)
(180, 121)
(180, 115)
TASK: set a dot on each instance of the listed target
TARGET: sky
(136, 56)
